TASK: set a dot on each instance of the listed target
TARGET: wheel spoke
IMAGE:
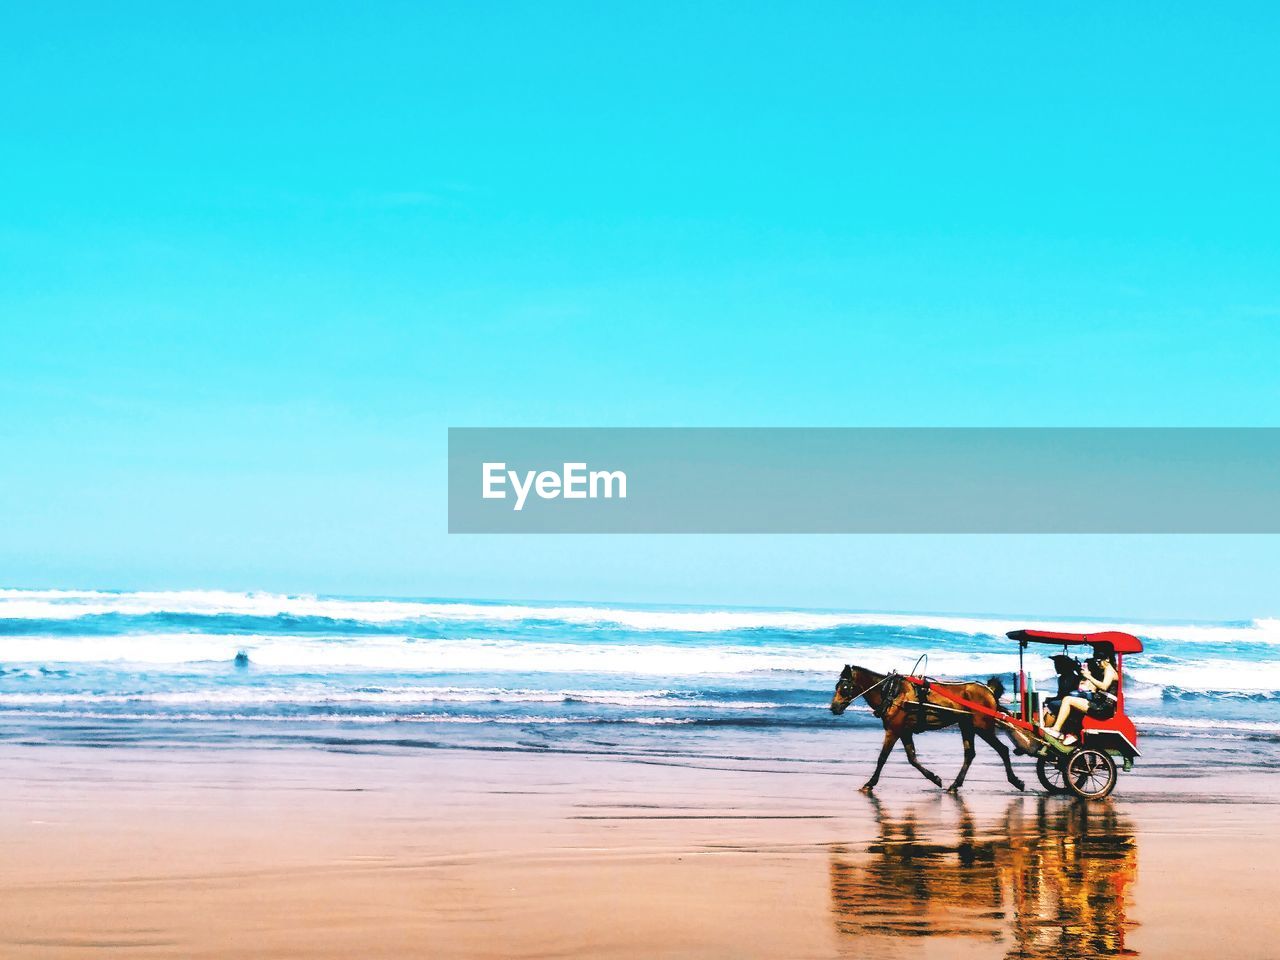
(1089, 773)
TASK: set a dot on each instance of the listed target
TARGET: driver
(1068, 671)
(1097, 679)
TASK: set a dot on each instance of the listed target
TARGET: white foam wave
(402, 653)
(311, 695)
(1208, 676)
(70, 604)
(397, 654)
(1206, 725)
(447, 718)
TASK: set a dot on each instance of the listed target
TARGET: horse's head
(853, 683)
(846, 691)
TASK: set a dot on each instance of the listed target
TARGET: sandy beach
(409, 852)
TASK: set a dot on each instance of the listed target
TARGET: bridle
(863, 693)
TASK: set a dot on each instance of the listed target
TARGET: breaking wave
(52, 605)
(187, 657)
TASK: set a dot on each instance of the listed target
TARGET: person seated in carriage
(1068, 670)
(1093, 695)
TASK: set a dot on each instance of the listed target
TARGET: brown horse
(906, 709)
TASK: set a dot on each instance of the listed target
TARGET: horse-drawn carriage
(1085, 764)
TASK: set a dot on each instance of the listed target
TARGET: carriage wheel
(1051, 776)
(1090, 773)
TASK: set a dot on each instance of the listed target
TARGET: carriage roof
(1120, 642)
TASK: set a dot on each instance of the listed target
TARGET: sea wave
(43, 657)
(73, 604)
(1147, 725)
(1250, 695)
(444, 718)
(173, 657)
(481, 655)
(1206, 725)
(321, 696)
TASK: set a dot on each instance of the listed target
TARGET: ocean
(213, 667)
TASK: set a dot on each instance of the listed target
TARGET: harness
(893, 689)
(973, 707)
(922, 704)
(878, 712)
(922, 697)
(893, 686)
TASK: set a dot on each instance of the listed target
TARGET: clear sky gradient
(256, 261)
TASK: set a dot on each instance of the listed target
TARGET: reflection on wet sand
(1048, 878)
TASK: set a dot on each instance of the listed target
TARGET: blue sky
(256, 262)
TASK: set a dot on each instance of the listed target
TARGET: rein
(872, 687)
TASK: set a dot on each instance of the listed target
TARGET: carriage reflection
(1048, 878)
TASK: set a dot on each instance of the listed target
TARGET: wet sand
(298, 851)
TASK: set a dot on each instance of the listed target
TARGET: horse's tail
(997, 687)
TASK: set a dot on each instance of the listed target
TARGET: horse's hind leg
(966, 733)
(909, 745)
(989, 735)
(890, 738)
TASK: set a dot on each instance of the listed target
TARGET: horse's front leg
(890, 738)
(966, 733)
(908, 743)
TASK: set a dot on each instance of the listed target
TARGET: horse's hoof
(1019, 784)
(954, 788)
(866, 788)
(937, 781)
